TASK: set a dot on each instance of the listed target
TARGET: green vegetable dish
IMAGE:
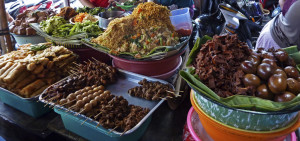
(58, 27)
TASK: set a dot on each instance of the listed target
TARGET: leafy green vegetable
(52, 24)
(57, 27)
(196, 48)
(39, 47)
(291, 49)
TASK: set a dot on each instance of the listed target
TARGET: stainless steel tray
(126, 80)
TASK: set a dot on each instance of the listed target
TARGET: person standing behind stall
(283, 30)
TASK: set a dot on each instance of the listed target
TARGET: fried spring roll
(3, 64)
(32, 87)
(51, 74)
(7, 66)
(26, 81)
(31, 66)
(14, 73)
(8, 71)
(38, 69)
(19, 79)
(39, 91)
(42, 74)
(45, 61)
(50, 65)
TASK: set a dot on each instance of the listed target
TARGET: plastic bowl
(182, 21)
(149, 68)
(170, 73)
(244, 119)
(220, 131)
(24, 39)
(189, 119)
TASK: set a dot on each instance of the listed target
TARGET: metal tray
(126, 80)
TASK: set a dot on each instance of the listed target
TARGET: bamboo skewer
(85, 120)
(113, 129)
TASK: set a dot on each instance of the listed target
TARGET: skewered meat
(152, 90)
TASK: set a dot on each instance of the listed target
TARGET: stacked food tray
(90, 129)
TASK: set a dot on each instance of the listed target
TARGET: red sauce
(184, 32)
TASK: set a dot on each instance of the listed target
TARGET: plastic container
(219, 131)
(182, 21)
(151, 67)
(24, 39)
(193, 123)
(91, 132)
(29, 106)
(256, 121)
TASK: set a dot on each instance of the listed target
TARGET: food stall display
(20, 26)
(239, 71)
(226, 71)
(32, 68)
(85, 93)
(152, 90)
(146, 31)
(58, 27)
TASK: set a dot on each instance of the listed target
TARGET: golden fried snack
(39, 91)
(3, 64)
(42, 74)
(26, 81)
(65, 61)
(14, 73)
(32, 87)
(31, 66)
(7, 66)
(23, 75)
(45, 61)
(38, 69)
(51, 74)
(50, 65)
(8, 71)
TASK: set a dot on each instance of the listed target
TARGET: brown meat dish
(218, 62)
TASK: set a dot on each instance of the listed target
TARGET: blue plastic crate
(28, 106)
(91, 132)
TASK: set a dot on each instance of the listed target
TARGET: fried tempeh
(14, 73)
(31, 66)
(19, 79)
(38, 69)
(7, 66)
(8, 71)
(3, 64)
(26, 81)
(39, 91)
(42, 74)
(32, 87)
